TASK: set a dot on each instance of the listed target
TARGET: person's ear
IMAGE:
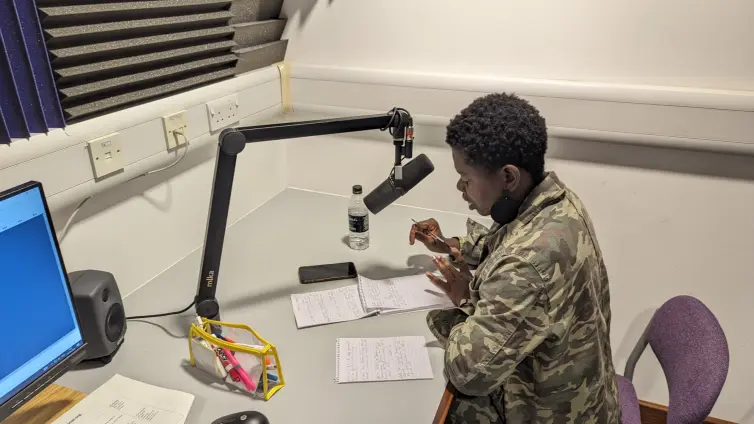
(510, 177)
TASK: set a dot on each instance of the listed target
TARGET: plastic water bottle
(358, 221)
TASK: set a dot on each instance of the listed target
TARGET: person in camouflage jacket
(529, 338)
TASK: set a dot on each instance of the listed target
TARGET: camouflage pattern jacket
(534, 344)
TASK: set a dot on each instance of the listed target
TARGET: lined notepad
(368, 297)
(360, 360)
(402, 294)
(327, 307)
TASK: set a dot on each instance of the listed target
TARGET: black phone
(327, 272)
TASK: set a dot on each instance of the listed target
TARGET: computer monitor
(40, 335)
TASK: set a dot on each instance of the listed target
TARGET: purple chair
(692, 350)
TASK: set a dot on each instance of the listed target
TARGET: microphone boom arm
(232, 141)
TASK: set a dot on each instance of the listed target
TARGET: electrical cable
(66, 227)
(165, 168)
(395, 114)
(68, 223)
(161, 315)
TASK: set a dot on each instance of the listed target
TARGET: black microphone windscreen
(386, 193)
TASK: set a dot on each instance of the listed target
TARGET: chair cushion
(629, 403)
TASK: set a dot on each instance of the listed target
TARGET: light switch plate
(176, 127)
(223, 112)
(106, 154)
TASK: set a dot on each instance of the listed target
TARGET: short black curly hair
(500, 129)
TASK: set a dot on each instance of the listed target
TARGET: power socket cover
(223, 112)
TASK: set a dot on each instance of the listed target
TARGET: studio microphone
(389, 191)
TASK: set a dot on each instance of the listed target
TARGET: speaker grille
(115, 322)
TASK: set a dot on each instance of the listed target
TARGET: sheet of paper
(382, 359)
(328, 306)
(401, 294)
(125, 401)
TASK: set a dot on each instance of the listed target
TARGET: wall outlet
(223, 112)
(176, 127)
(106, 154)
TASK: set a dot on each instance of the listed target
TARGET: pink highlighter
(245, 379)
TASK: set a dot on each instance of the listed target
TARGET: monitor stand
(47, 406)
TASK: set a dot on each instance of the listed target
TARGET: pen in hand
(435, 237)
(429, 233)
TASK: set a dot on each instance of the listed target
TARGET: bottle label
(358, 224)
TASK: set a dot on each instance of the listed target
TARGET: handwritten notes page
(126, 401)
(402, 294)
(326, 307)
(382, 359)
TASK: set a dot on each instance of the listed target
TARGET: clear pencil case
(238, 355)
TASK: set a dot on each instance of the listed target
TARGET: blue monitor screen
(36, 308)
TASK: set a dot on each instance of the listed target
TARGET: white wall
(138, 229)
(694, 43)
(621, 84)
(669, 221)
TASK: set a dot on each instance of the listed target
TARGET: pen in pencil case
(245, 379)
(229, 340)
(223, 357)
(225, 339)
(271, 382)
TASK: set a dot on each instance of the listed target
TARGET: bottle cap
(357, 189)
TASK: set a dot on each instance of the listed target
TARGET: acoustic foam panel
(141, 96)
(40, 63)
(252, 58)
(255, 10)
(99, 32)
(54, 16)
(84, 90)
(10, 104)
(108, 55)
(254, 33)
(78, 55)
(20, 68)
(135, 63)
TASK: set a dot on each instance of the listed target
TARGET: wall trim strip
(671, 117)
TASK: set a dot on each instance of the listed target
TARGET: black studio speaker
(100, 308)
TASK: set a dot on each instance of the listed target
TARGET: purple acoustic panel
(40, 63)
(4, 134)
(20, 67)
(10, 104)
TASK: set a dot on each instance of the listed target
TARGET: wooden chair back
(442, 409)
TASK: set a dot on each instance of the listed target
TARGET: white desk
(258, 273)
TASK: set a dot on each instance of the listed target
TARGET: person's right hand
(422, 231)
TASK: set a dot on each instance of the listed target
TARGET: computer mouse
(248, 417)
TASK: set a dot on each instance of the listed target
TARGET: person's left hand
(456, 282)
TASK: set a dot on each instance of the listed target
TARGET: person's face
(479, 188)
